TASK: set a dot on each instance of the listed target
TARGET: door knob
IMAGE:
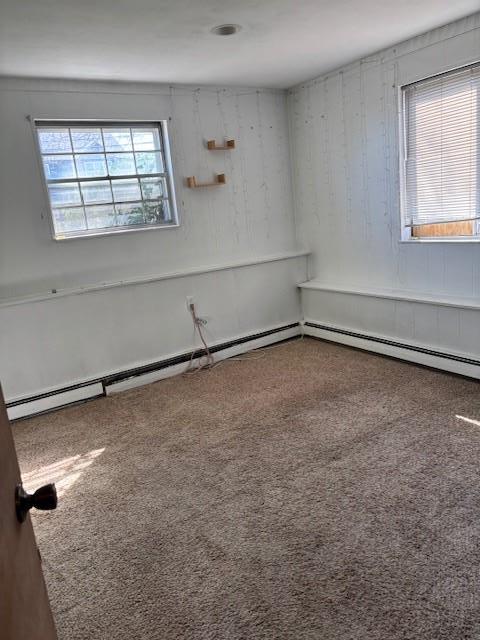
(44, 498)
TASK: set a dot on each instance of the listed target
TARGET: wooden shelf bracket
(228, 144)
(219, 179)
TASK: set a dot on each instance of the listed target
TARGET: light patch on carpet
(63, 473)
(469, 420)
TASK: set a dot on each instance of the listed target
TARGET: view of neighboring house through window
(106, 177)
(441, 196)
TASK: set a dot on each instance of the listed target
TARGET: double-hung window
(106, 177)
(441, 156)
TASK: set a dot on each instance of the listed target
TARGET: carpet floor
(309, 491)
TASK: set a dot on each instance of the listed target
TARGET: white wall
(54, 341)
(345, 155)
(344, 138)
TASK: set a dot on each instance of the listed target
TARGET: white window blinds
(442, 148)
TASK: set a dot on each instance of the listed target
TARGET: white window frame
(37, 122)
(406, 231)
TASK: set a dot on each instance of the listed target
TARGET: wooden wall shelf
(192, 182)
(228, 144)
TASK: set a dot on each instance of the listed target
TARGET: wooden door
(24, 608)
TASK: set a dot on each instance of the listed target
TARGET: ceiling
(282, 42)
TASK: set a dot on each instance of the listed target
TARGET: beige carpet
(316, 492)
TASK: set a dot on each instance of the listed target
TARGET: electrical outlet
(190, 302)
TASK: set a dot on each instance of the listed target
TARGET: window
(441, 156)
(105, 177)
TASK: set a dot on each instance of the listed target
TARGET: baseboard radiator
(145, 374)
(454, 363)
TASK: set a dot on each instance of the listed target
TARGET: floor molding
(138, 376)
(455, 363)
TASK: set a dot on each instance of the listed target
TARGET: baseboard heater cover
(45, 403)
(439, 359)
(174, 366)
(98, 387)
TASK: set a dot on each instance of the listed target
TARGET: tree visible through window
(104, 177)
(442, 155)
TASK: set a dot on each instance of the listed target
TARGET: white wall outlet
(190, 301)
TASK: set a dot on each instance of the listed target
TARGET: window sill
(113, 232)
(441, 240)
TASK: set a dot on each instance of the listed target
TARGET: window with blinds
(442, 154)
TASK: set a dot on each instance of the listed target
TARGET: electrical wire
(209, 364)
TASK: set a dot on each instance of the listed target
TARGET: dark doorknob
(44, 498)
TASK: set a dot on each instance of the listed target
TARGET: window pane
(149, 162)
(96, 191)
(58, 167)
(92, 175)
(130, 214)
(69, 219)
(156, 212)
(63, 194)
(444, 229)
(125, 190)
(166, 211)
(153, 188)
(117, 139)
(91, 165)
(146, 139)
(85, 140)
(100, 216)
(441, 120)
(120, 164)
(54, 141)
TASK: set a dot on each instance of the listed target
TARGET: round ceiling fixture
(226, 29)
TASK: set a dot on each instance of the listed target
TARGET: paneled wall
(345, 156)
(56, 339)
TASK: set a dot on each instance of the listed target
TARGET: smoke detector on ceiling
(226, 29)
